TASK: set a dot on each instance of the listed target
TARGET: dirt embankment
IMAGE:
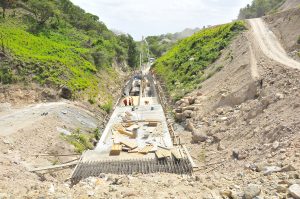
(285, 26)
(289, 4)
(246, 131)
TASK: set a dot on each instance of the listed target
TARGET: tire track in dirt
(270, 45)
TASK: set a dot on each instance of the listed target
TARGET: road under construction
(137, 138)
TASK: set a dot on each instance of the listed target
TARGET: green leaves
(182, 67)
(259, 8)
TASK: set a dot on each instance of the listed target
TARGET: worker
(132, 102)
(125, 101)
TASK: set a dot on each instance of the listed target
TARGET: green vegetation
(82, 141)
(298, 41)
(183, 67)
(107, 107)
(259, 8)
(57, 43)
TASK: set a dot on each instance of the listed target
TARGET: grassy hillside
(70, 48)
(182, 68)
(259, 8)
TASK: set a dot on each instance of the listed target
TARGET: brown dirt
(250, 122)
(289, 4)
(285, 27)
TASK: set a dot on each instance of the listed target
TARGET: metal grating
(145, 166)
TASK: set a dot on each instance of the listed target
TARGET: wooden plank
(146, 149)
(166, 153)
(124, 132)
(176, 154)
(152, 124)
(159, 154)
(189, 157)
(54, 166)
(129, 144)
(115, 149)
(133, 127)
(163, 153)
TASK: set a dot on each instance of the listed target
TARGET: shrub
(80, 141)
(183, 67)
(107, 107)
(298, 41)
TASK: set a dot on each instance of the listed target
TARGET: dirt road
(15, 119)
(270, 45)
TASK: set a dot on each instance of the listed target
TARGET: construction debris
(116, 149)
(129, 144)
(146, 149)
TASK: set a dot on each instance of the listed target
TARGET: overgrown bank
(183, 67)
(56, 43)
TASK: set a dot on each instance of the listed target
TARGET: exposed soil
(245, 136)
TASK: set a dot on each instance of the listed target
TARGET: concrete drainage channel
(137, 139)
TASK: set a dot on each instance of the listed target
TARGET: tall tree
(132, 52)
(42, 10)
(6, 4)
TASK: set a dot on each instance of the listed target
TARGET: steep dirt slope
(245, 128)
(285, 27)
(288, 4)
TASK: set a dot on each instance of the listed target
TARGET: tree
(6, 4)
(42, 10)
(132, 52)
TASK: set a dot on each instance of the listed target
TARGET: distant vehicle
(151, 60)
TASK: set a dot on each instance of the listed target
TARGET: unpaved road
(270, 45)
(15, 119)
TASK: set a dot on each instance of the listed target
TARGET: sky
(154, 17)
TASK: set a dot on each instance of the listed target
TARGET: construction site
(208, 113)
(137, 138)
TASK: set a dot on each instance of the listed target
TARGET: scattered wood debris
(116, 149)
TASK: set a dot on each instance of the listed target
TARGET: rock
(5, 141)
(66, 93)
(189, 126)
(279, 96)
(179, 117)
(191, 100)
(288, 168)
(275, 145)
(199, 93)
(199, 136)
(235, 153)
(220, 147)
(112, 189)
(271, 169)
(90, 193)
(129, 194)
(51, 189)
(251, 191)
(239, 155)
(281, 189)
(102, 175)
(222, 119)
(187, 114)
(294, 190)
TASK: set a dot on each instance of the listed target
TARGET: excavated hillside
(245, 120)
(241, 126)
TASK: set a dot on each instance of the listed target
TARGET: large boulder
(179, 117)
(187, 113)
(198, 136)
